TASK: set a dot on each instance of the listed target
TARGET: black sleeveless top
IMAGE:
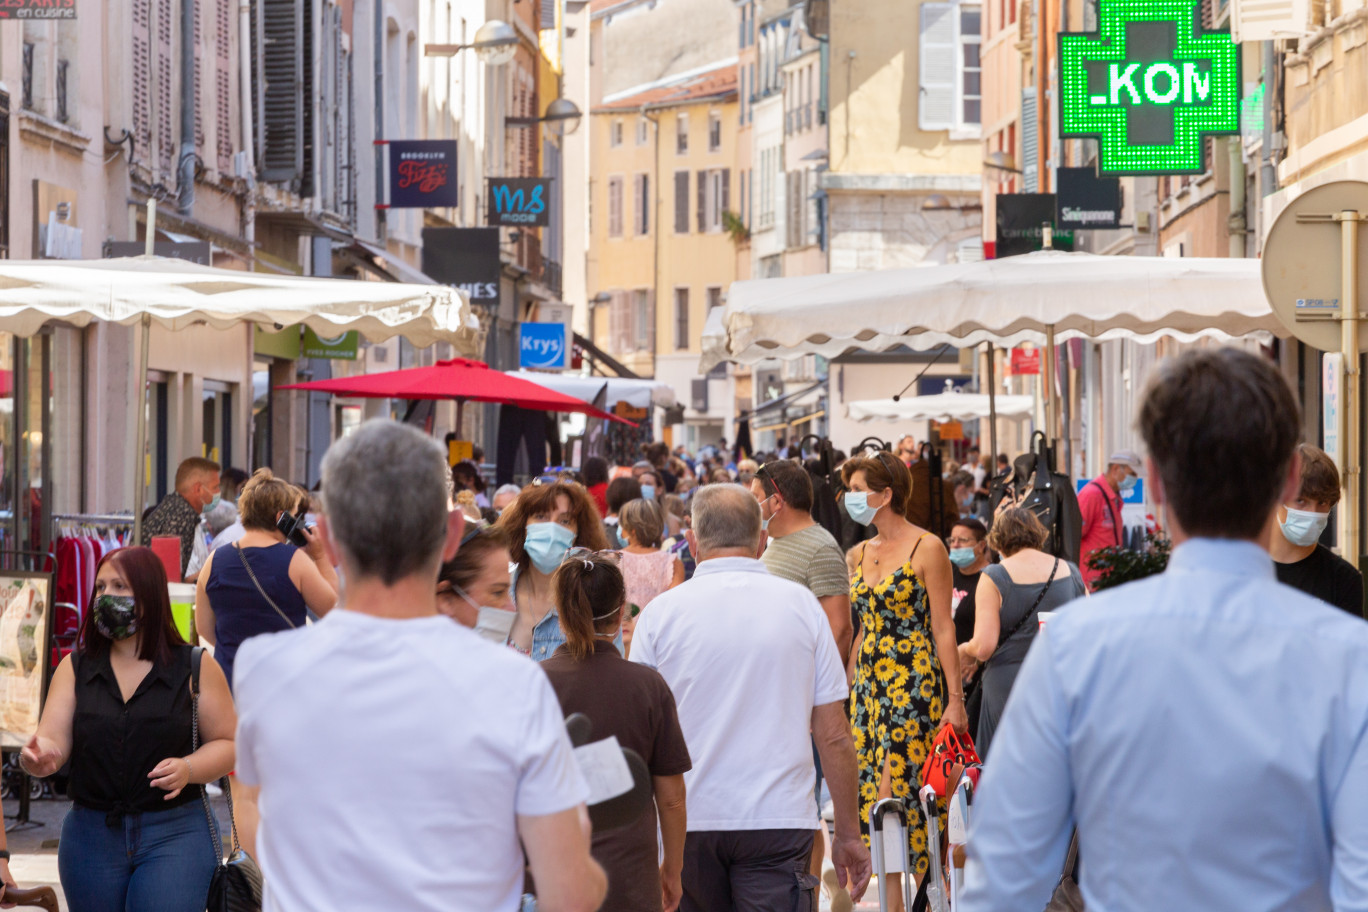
(114, 745)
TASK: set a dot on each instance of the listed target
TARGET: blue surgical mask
(1128, 483)
(648, 492)
(857, 506)
(546, 544)
(764, 522)
(209, 507)
(962, 557)
(619, 537)
(1303, 527)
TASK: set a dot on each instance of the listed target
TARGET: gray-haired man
(467, 736)
(753, 666)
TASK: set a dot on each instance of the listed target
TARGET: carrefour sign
(1150, 85)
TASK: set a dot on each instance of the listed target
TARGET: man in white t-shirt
(754, 668)
(404, 761)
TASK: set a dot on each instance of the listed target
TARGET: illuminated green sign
(1150, 85)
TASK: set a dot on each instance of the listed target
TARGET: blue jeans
(160, 861)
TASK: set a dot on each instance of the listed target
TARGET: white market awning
(1007, 301)
(636, 393)
(177, 294)
(940, 407)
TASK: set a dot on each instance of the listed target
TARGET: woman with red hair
(119, 709)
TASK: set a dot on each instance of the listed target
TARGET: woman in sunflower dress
(906, 665)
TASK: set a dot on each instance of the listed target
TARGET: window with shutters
(714, 294)
(714, 198)
(681, 202)
(615, 133)
(701, 198)
(742, 199)
(142, 80)
(643, 320)
(641, 212)
(714, 132)
(62, 70)
(278, 66)
(615, 207)
(199, 79)
(643, 131)
(223, 85)
(166, 136)
(548, 14)
(950, 85)
(769, 176)
(681, 319)
(682, 133)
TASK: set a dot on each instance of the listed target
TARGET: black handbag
(236, 884)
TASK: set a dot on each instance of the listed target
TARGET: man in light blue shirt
(1203, 729)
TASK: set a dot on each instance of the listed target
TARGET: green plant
(732, 224)
(1124, 565)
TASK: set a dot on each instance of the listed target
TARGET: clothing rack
(95, 519)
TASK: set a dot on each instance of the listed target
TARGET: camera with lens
(292, 526)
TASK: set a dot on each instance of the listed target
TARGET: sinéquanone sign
(1150, 85)
(519, 202)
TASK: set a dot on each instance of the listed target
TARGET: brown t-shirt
(634, 704)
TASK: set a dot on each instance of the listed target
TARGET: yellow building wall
(693, 260)
(690, 260)
(873, 96)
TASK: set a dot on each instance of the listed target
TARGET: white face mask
(495, 624)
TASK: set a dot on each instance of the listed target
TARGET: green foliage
(732, 224)
(1124, 565)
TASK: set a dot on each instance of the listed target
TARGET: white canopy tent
(636, 393)
(941, 407)
(177, 294)
(1044, 297)
(1006, 302)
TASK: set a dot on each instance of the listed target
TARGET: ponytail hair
(589, 593)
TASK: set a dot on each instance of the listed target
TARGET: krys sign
(1150, 85)
(519, 202)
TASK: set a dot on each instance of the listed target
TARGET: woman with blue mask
(540, 527)
(905, 666)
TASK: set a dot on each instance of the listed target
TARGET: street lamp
(562, 117)
(1000, 162)
(495, 43)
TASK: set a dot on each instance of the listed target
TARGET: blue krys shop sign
(544, 346)
(519, 202)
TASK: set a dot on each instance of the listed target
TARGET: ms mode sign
(519, 202)
(543, 346)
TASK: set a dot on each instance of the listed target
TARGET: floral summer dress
(899, 693)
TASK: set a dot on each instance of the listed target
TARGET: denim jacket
(547, 636)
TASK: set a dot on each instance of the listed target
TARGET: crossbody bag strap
(1111, 508)
(1034, 607)
(256, 582)
(196, 660)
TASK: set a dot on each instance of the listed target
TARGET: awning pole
(1048, 367)
(992, 411)
(460, 414)
(140, 438)
(1349, 409)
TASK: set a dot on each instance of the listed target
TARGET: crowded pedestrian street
(683, 455)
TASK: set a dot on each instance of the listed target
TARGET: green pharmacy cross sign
(1150, 85)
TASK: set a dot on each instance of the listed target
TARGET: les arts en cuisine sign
(37, 9)
(422, 173)
(1151, 84)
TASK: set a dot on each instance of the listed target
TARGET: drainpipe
(380, 119)
(246, 42)
(185, 177)
(1237, 222)
(1268, 177)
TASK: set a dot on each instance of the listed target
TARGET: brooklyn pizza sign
(423, 174)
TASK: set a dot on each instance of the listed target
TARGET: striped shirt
(809, 557)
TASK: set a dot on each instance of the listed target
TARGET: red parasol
(458, 379)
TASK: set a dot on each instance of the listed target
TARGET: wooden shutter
(142, 81)
(681, 202)
(615, 207)
(936, 107)
(726, 192)
(199, 79)
(166, 137)
(280, 119)
(702, 201)
(223, 86)
(1030, 172)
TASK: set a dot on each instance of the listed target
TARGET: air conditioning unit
(1265, 20)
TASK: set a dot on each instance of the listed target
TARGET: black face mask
(116, 616)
